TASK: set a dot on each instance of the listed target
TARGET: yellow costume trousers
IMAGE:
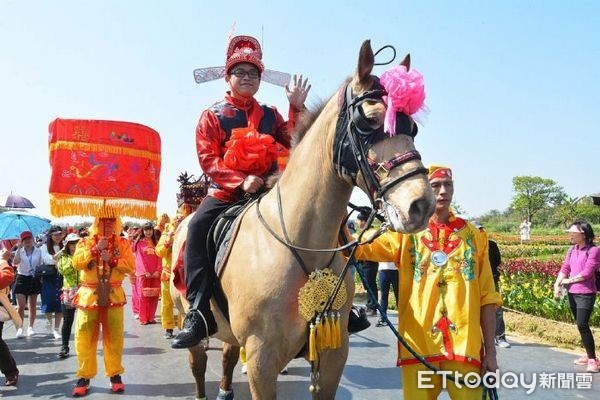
(243, 358)
(410, 382)
(166, 306)
(86, 340)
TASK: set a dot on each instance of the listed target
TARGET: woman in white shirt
(52, 283)
(27, 257)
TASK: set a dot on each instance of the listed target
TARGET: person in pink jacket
(147, 270)
(578, 274)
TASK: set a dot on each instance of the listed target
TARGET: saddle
(223, 232)
(220, 240)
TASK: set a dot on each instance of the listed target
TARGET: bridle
(356, 134)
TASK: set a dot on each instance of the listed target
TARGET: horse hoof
(225, 395)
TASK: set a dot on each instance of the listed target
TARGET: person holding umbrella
(27, 257)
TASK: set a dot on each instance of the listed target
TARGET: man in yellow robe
(104, 258)
(164, 249)
(447, 299)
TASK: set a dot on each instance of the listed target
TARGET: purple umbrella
(15, 201)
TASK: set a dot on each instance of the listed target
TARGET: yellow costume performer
(95, 309)
(445, 283)
(117, 167)
(164, 250)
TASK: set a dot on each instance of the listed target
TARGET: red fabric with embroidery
(93, 161)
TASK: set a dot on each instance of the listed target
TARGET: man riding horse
(237, 112)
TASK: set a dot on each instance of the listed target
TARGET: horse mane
(305, 121)
(308, 118)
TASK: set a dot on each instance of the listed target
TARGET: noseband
(356, 134)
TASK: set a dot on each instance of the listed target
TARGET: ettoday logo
(508, 380)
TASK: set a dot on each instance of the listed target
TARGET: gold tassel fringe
(328, 338)
(337, 333)
(74, 205)
(312, 344)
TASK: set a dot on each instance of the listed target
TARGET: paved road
(153, 370)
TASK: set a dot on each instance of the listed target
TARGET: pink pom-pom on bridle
(405, 93)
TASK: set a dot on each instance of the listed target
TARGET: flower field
(528, 272)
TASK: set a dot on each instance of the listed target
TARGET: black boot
(196, 326)
(358, 320)
(64, 352)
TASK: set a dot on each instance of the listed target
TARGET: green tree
(532, 194)
(588, 211)
(566, 211)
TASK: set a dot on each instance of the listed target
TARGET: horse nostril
(418, 209)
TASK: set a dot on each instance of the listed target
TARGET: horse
(342, 147)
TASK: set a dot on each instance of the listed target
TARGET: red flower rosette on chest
(250, 152)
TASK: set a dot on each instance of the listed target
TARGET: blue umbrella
(12, 223)
(15, 201)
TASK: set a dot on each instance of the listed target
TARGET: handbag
(68, 294)
(150, 292)
(44, 270)
(67, 297)
(4, 315)
(7, 311)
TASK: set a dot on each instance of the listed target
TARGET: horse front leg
(331, 369)
(197, 359)
(263, 368)
(230, 358)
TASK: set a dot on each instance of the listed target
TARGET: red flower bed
(525, 266)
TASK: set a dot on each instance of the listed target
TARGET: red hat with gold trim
(244, 49)
(439, 171)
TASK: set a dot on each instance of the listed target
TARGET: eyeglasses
(240, 73)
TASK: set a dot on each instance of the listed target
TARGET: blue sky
(512, 86)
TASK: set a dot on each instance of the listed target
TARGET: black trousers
(8, 366)
(387, 278)
(500, 326)
(370, 268)
(199, 272)
(582, 306)
(67, 325)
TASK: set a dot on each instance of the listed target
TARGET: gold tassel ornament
(329, 330)
(312, 344)
(337, 334)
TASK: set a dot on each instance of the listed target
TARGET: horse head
(383, 163)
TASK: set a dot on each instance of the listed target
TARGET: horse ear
(406, 62)
(366, 59)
